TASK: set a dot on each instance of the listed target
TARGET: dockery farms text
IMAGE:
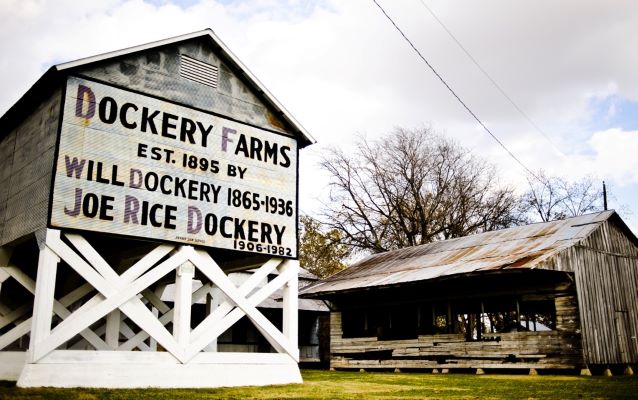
(136, 165)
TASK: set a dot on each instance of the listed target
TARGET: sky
(343, 71)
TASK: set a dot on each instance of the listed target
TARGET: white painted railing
(119, 301)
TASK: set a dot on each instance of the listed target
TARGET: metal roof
(52, 76)
(507, 249)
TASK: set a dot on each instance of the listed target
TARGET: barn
(560, 295)
(167, 163)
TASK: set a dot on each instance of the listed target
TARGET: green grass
(356, 385)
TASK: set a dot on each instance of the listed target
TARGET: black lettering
(284, 153)
(253, 231)
(144, 213)
(90, 205)
(270, 152)
(156, 153)
(151, 181)
(123, 111)
(111, 116)
(170, 217)
(204, 189)
(153, 213)
(205, 132)
(98, 175)
(179, 187)
(192, 190)
(266, 231)
(279, 233)
(147, 120)
(166, 124)
(239, 229)
(222, 227)
(141, 150)
(105, 207)
(114, 180)
(255, 148)
(163, 184)
(242, 146)
(186, 130)
(210, 224)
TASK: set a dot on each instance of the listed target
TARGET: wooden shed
(555, 295)
(126, 172)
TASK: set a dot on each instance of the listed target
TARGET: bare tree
(413, 187)
(552, 197)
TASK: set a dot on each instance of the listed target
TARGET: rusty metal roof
(513, 248)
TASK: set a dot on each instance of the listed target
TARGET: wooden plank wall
(606, 264)
(607, 285)
(558, 349)
(26, 165)
(156, 72)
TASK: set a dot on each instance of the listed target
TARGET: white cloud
(341, 68)
(616, 155)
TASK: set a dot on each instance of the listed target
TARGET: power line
(454, 93)
(496, 85)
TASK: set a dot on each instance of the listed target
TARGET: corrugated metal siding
(28, 158)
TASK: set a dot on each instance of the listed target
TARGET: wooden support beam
(112, 335)
(16, 333)
(58, 308)
(183, 294)
(44, 292)
(138, 339)
(291, 302)
(245, 306)
(120, 293)
(213, 300)
(152, 343)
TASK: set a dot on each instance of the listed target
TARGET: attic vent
(198, 71)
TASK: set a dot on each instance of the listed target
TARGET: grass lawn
(357, 385)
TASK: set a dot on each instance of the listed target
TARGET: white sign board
(135, 165)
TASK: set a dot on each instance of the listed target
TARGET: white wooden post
(183, 293)
(152, 343)
(291, 302)
(213, 300)
(5, 256)
(44, 291)
(112, 335)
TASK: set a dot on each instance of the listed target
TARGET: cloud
(615, 155)
(342, 69)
